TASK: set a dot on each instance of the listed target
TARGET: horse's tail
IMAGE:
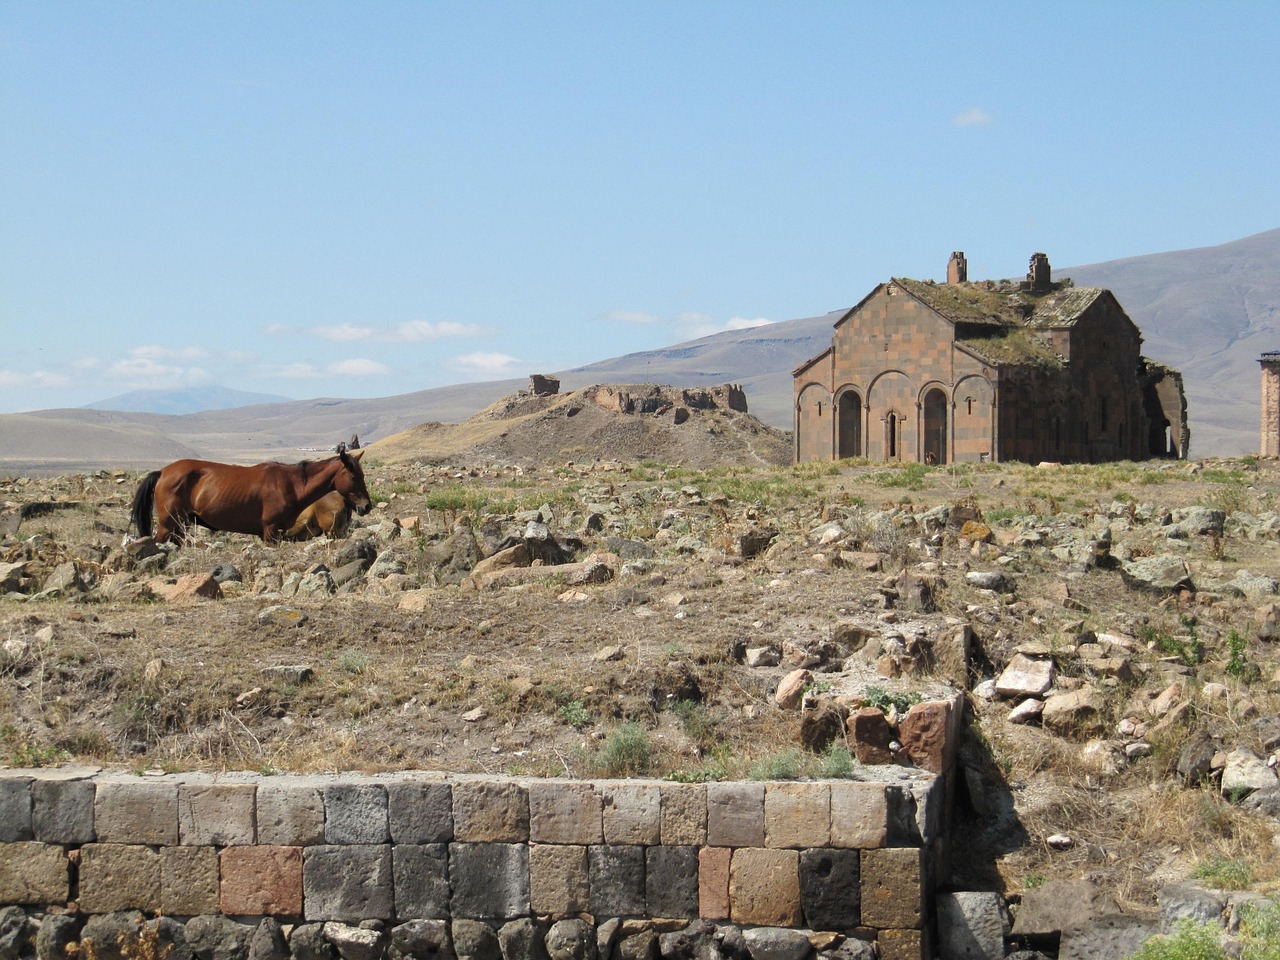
(143, 501)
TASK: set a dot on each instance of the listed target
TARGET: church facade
(1032, 371)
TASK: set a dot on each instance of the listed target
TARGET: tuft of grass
(626, 751)
(788, 764)
(835, 763)
(882, 699)
(1224, 873)
(353, 661)
(1189, 941)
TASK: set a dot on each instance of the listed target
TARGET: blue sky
(359, 200)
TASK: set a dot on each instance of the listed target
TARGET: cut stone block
(119, 876)
(830, 889)
(490, 811)
(350, 882)
(34, 873)
(684, 813)
(420, 812)
(421, 874)
(262, 880)
(735, 814)
(617, 880)
(859, 815)
(63, 811)
(356, 813)
(632, 812)
(188, 881)
(489, 881)
(564, 811)
(892, 887)
(134, 811)
(671, 881)
(797, 815)
(764, 887)
(289, 814)
(216, 814)
(559, 879)
(15, 809)
(713, 882)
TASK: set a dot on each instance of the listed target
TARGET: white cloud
(157, 352)
(35, 379)
(973, 117)
(297, 371)
(86, 363)
(416, 331)
(694, 326)
(357, 367)
(342, 332)
(411, 331)
(489, 364)
(632, 316)
(146, 371)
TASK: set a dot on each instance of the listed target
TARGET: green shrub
(1223, 873)
(786, 764)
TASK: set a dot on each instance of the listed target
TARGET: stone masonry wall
(854, 857)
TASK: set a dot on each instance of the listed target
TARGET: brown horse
(264, 500)
(329, 516)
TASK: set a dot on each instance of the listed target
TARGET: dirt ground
(647, 672)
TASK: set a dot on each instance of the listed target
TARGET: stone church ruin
(992, 370)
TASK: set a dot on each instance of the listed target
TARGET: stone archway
(935, 427)
(849, 425)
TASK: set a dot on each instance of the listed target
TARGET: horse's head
(350, 481)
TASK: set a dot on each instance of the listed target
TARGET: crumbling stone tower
(957, 268)
(1270, 405)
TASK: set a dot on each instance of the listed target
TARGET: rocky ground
(1113, 629)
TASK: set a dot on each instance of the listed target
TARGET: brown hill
(695, 427)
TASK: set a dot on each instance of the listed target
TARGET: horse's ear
(340, 449)
(358, 454)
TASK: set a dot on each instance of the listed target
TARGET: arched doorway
(935, 426)
(849, 425)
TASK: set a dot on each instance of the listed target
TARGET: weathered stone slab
(859, 815)
(764, 887)
(903, 945)
(490, 811)
(713, 882)
(735, 814)
(1113, 937)
(564, 811)
(15, 809)
(797, 815)
(632, 812)
(420, 812)
(421, 875)
(188, 881)
(972, 924)
(136, 811)
(63, 811)
(262, 880)
(289, 813)
(216, 814)
(356, 813)
(119, 876)
(350, 882)
(34, 873)
(490, 881)
(892, 887)
(559, 879)
(830, 891)
(683, 813)
(617, 880)
(671, 881)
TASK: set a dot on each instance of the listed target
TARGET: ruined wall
(1269, 444)
(851, 856)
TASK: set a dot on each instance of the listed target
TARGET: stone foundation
(853, 858)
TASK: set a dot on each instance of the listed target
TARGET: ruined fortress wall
(851, 856)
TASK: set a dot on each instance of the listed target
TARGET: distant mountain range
(1209, 312)
(177, 402)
